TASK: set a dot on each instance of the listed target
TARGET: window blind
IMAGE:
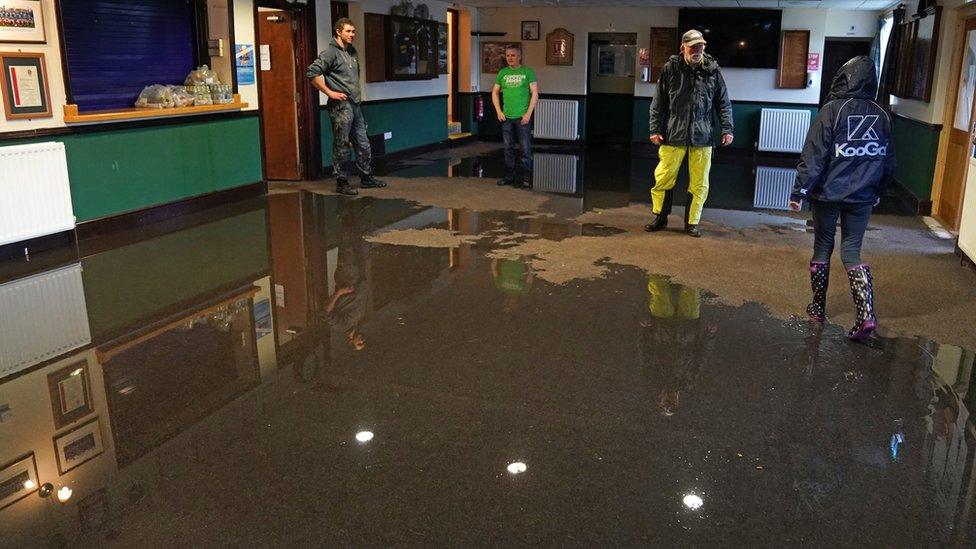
(114, 48)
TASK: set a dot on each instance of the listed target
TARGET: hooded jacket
(686, 101)
(340, 68)
(847, 156)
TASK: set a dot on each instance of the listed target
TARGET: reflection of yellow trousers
(661, 303)
(666, 175)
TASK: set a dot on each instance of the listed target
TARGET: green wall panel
(916, 146)
(128, 284)
(609, 116)
(117, 171)
(745, 116)
(415, 122)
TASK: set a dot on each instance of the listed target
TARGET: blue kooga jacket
(847, 156)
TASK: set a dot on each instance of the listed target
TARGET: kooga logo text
(869, 149)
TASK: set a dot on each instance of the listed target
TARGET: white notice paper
(72, 391)
(26, 87)
(265, 57)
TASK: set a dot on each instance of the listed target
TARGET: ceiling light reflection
(64, 494)
(364, 436)
(516, 467)
(693, 502)
(29, 484)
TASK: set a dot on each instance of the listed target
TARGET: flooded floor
(447, 362)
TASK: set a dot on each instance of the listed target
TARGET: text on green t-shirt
(515, 90)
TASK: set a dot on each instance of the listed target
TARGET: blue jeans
(518, 143)
(349, 132)
(853, 223)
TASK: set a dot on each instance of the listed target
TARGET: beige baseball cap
(692, 37)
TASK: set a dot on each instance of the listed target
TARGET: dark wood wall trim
(120, 126)
(161, 212)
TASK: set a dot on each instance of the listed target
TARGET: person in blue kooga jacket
(846, 164)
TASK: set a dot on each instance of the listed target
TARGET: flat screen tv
(746, 38)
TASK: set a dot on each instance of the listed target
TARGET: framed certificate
(25, 88)
(70, 390)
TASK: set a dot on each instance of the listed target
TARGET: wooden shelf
(72, 116)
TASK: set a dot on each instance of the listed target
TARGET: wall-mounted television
(746, 38)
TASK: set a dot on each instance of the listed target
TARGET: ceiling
(869, 5)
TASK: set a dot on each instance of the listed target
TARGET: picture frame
(24, 85)
(493, 55)
(14, 478)
(559, 47)
(78, 446)
(530, 30)
(70, 390)
(22, 22)
(412, 48)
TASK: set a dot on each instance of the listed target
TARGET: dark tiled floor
(221, 393)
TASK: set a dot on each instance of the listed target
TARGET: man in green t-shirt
(519, 92)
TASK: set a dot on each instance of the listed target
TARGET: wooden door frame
(309, 124)
(455, 62)
(948, 117)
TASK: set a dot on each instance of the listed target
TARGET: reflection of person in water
(674, 342)
(347, 306)
(513, 277)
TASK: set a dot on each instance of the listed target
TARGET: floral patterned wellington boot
(861, 290)
(819, 276)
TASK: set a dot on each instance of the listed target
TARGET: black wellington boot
(819, 277)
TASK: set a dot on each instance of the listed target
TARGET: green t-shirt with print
(515, 90)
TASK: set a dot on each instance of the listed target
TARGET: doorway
(610, 86)
(838, 51)
(290, 128)
(959, 149)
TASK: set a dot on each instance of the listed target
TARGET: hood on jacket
(708, 64)
(857, 79)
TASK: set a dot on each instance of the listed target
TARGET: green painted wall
(415, 122)
(745, 116)
(117, 171)
(916, 146)
(128, 284)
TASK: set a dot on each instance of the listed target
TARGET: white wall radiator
(35, 198)
(783, 130)
(773, 187)
(44, 316)
(554, 173)
(556, 119)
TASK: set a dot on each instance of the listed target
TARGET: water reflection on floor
(599, 174)
(269, 376)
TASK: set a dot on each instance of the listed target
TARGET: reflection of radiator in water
(783, 130)
(35, 199)
(556, 119)
(44, 316)
(554, 173)
(773, 187)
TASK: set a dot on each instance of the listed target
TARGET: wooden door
(960, 148)
(279, 96)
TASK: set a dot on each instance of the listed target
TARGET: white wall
(244, 34)
(744, 84)
(52, 60)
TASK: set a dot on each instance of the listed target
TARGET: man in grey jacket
(336, 74)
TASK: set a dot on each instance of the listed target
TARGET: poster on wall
(244, 56)
(22, 21)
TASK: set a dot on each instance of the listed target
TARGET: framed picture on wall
(70, 390)
(493, 55)
(18, 479)
(22, 21)
(24, 85)
(530, 30)
(78, 445)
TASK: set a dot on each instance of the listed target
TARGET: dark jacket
(847, 156)
(340, 67)
(686, 101)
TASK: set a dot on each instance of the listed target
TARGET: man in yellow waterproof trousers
(690, 90)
